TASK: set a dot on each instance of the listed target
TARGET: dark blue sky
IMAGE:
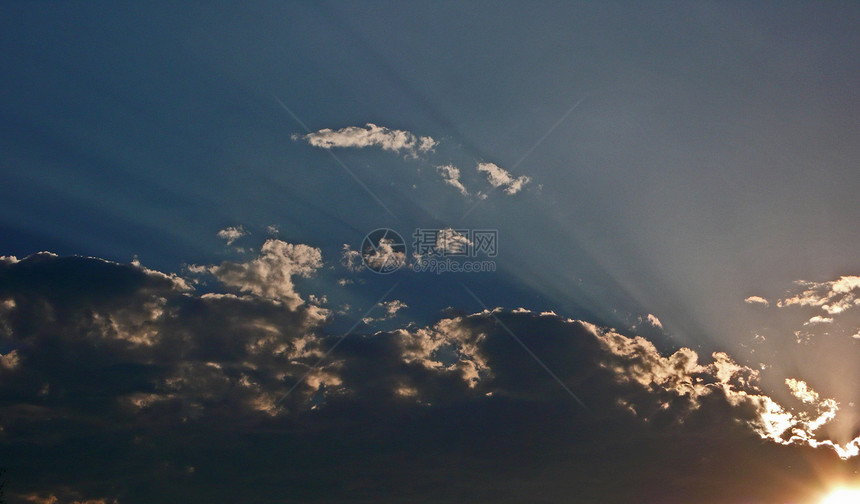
(675, 159)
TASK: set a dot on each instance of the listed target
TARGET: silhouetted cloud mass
(167, 391)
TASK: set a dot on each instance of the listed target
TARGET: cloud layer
(175, 389)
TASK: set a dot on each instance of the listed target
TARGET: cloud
(94, 338)
(681, 374)
(756, 300)
(451, 176)
(801, 390)
(9, 361)
(390, 311)
(812, 310)
(833, 297)
(371, 135)
(351, 259)
(231, 234)
(818, 319)
(271, 274)
(171, 386)
(392, 307)
(498, 177)
(654, 321)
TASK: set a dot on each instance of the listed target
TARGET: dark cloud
(122, 383)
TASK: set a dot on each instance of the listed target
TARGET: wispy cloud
(370, 135)
(498, 177)
(833, 297)
(451, 176)
(390, 307)
(232, 233)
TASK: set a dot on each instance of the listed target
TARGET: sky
(442, 252)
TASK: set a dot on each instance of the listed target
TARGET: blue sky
(691, 162)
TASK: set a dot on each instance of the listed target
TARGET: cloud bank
(175, 388)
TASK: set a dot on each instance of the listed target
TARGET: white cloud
(270, 275)
(756, 300)
(833, 297)
(232, 233)
(392, 307)
(498, 177)
(371, 136)
(451, 176)
(801, 390)
(654, 321)
(818, 319)
(817, 308)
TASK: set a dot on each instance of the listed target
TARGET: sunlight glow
(842, 496)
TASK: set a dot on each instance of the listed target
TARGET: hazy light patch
(842, 496)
